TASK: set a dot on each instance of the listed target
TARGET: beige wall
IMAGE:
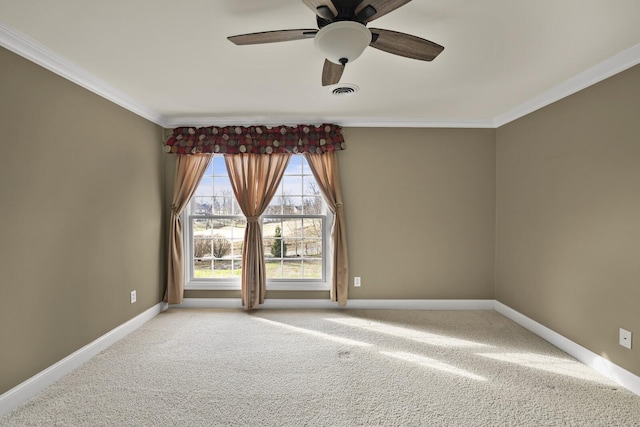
(419, 207)
(80, 221)
(568, 216)
(420, 213)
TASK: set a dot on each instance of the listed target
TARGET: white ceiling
(170, 61)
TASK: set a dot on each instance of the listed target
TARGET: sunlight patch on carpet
(407, 333)
(556, 365)
(316, 334)
(432, 364)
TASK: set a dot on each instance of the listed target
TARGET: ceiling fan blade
(404, 44)
(369, 10)
(273, 36)
(325, 9)
(331, 73)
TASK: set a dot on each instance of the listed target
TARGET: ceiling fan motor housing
(342, 41)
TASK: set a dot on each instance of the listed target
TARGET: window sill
(281, 285)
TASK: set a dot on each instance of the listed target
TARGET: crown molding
(607, 68)
(30, 49)
(195, 121)
(420, 123)
(341, 121)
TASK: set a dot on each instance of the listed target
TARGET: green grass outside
(312, 270)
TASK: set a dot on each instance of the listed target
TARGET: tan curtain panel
(189, 171)
(254, 179)
(325, 169)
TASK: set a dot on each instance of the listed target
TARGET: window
(294, 229)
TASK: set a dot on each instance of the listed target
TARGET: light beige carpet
(190, 367)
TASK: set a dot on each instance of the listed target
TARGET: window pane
(223, 269)
(313, 228)
(274, 268)
(274, 244)
(205, 188)
(312, 248)
(238, 224)
(272, 210)
(218, 165)
(292, 205)
(237, 267)
(291, 185)
(269, 224)
(268, 244)
(221, 246)
(313, 205)
(236, 207)
(223, 205)
(209, 171)
(201, 227)
(275, 207)
(202, 205)
(310, 186)
(228, 234)
(291, 269)
(292, 228)
(236, 247)
(290, 246)
(278, 248)
(312, 269)
(272, 227)
(202, 269)
(222, 187)
(295, 165)
(202, 248)
(222, 226)
(295, 248)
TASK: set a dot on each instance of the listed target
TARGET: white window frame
(273, 284)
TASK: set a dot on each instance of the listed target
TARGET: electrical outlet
(133, 297)
(356, 282)
(625, 338)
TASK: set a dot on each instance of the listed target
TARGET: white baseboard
(377, 304)
(422, 304)
(610, 370)
(29, 388)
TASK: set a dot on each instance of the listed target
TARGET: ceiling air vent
(344, 89)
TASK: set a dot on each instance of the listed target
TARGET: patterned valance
(256, 139)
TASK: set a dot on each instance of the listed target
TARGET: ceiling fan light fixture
(342, 41)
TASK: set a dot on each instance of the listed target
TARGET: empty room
(309, 212)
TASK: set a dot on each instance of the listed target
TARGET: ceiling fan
(342, 34)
